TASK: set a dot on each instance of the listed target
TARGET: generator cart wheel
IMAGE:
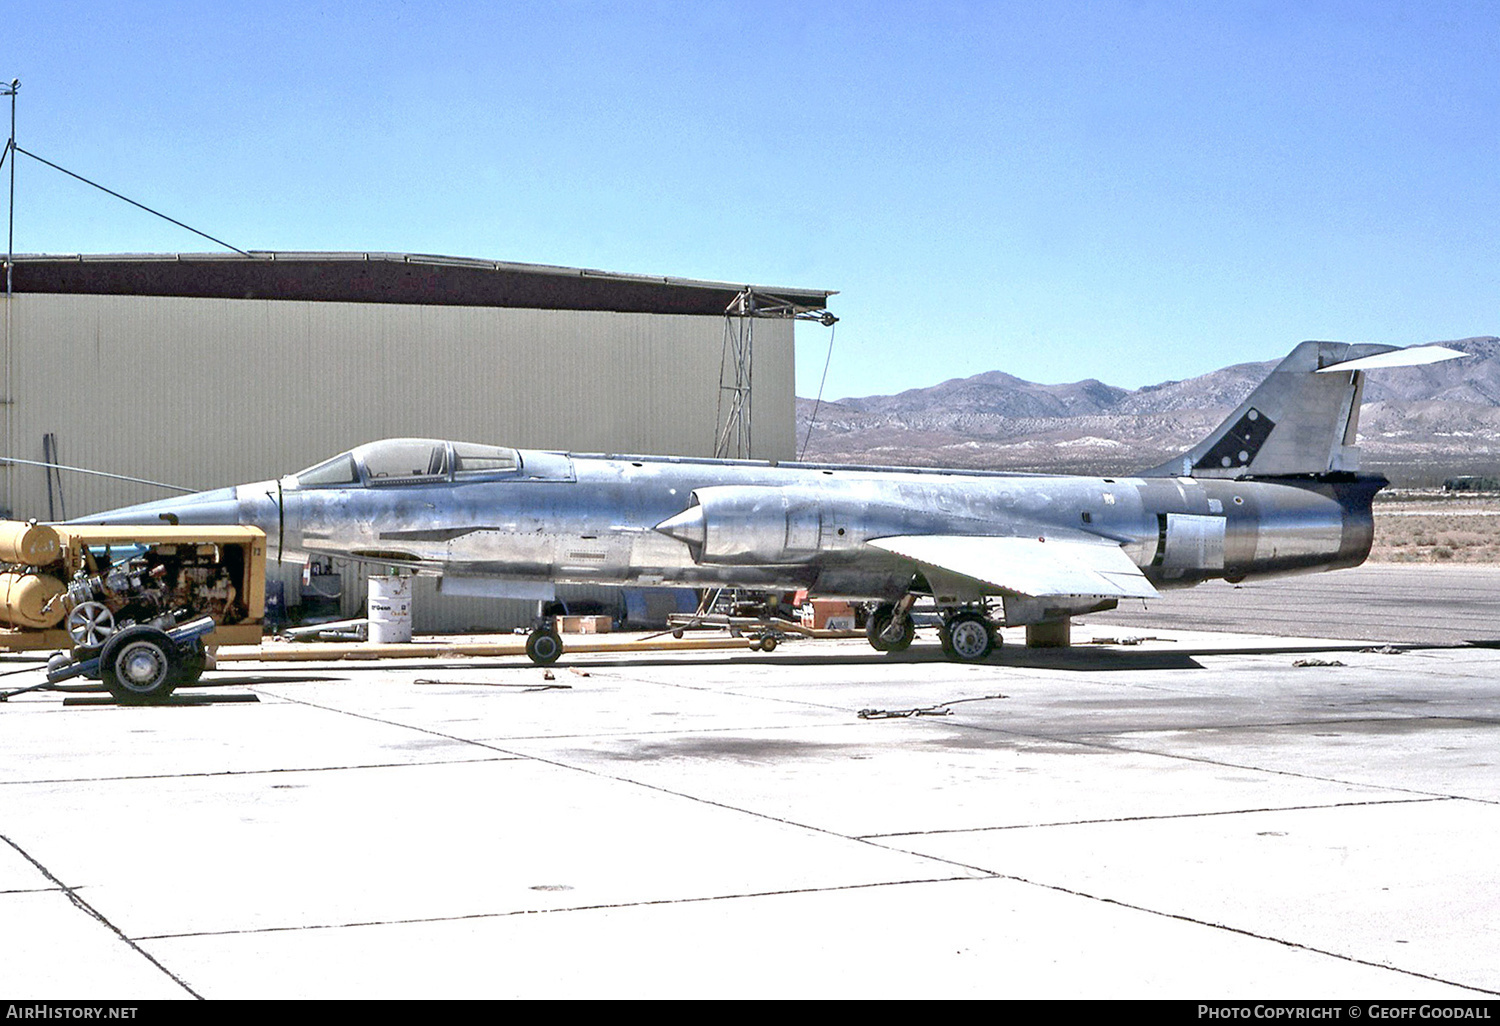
(139, 665)
(543, 647)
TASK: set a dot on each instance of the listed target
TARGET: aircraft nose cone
(687, 526)
(218, 507)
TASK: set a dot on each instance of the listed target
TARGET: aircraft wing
(1029, 566)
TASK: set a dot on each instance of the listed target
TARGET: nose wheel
(543, 646)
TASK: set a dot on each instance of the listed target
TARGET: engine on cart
(158, 589)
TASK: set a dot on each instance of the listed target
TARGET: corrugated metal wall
(209, 392)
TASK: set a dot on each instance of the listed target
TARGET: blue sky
(1132, 191)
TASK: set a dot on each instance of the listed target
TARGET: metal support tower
(737, 364)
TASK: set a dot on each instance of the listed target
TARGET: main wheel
(876, 625)
(543, 647)
(970, 637)
(139, 665)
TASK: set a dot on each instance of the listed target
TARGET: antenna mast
(10, 263)
(10, 151)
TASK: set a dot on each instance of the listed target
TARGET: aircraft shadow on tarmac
(1066, 659)
(1080, 658)
(1063, 659)
(1090, 659)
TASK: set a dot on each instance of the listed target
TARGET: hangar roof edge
(409, 278)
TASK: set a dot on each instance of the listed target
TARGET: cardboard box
(828, 615)
(583, 624)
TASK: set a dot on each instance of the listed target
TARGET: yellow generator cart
(139, 608)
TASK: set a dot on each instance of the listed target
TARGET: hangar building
(202, 370)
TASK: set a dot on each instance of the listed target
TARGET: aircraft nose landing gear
(544, 646)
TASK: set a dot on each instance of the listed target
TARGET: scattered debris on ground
(941, 709)
(495, 684)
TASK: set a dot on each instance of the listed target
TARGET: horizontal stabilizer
(1029, 566)
(1412, 357)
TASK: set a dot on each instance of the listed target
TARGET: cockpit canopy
(401, 461)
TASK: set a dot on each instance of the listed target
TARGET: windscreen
(331, 473)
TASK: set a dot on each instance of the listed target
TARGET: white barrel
(389, 609)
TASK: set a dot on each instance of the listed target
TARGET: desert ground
(1425, 526)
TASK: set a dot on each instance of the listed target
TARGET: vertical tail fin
(1302, 420)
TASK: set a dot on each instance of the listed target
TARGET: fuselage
(563, 518)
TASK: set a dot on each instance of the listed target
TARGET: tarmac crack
(255, 772)
(89, 910)
(697, 899)
(1155, 818)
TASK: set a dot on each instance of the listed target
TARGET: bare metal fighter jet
(1274, 490)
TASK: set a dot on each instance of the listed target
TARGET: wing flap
(1029, 566)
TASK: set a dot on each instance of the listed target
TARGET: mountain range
(1419, 425)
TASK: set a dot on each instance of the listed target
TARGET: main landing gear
(968, 636)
